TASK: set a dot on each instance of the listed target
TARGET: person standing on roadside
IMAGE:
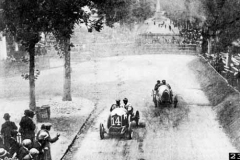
(44, 134)
(7, 128)
(27, 126)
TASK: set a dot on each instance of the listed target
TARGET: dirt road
(184, 133)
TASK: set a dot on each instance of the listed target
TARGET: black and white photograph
(119, 79)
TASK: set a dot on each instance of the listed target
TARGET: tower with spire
(158, 13)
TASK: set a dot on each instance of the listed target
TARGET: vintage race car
(119, 124)
(164, 96)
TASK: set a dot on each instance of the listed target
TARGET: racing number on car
(116, 121)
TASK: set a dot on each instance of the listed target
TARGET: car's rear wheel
(175, 101)
(101, 131)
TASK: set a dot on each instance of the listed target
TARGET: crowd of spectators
(25, 143)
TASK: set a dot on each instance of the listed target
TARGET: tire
(175, 101)
(158, 104)
(101, 131)
(129, 131)
(137, 117)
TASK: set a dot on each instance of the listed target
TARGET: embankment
(224, 99)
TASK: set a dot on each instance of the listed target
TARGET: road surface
(188, 132)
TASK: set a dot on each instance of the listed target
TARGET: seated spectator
(14, 145)
(24, 149)
(33, 154)
(3, 153)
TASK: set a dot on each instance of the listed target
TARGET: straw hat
(3, 152)
(33, 151)
(26, 142)
(43, 136)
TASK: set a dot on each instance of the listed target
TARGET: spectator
(33, 155)
(24, 149)
(14, 145)
(27, 126)
(40, 142)
(7, 128)
(44, 133)
(3, 154)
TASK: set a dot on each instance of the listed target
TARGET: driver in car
(165, 83)
(128, 106)
(113, 107)
(117, 105)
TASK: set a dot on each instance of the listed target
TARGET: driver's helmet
(158, 81)
(125, 100)
(118, 102)
(164, 81)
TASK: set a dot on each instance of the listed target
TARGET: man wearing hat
(33, 154)
(3, 153)
(7, 128)
(27, 126)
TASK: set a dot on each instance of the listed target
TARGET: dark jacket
(14, 146)
(27, 128)
(7, 128)
(23, 151)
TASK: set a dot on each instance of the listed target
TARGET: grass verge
(224, 99)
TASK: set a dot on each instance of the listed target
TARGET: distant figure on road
(7, 128)
(27, 126)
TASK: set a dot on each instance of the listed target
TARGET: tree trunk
(67, 72)
(210, 45)
(32, 104)
(229, 57)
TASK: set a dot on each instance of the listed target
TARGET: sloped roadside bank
(224, 99)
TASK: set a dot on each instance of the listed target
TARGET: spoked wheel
(137, 117)
(101, 131)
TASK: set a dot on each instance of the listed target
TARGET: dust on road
(187, 132)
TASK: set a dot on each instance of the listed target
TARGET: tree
(142, 11)
(64, 14)
(25, 20)
(217, 20)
